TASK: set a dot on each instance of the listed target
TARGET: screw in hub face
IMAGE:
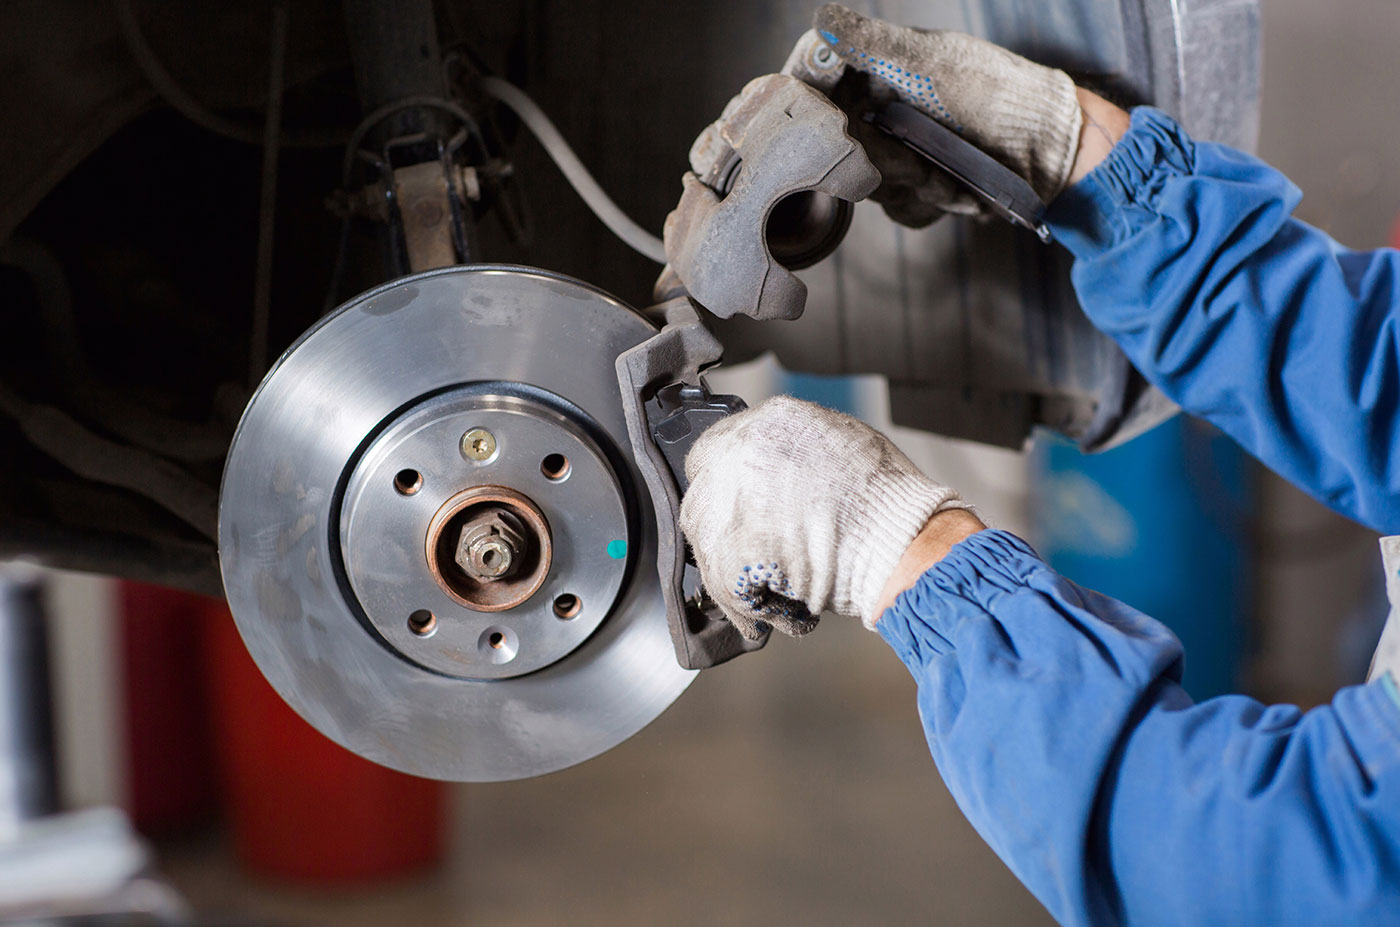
(478, 444)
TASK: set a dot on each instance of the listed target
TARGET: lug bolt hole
(556, 468)
(423, 623)
(497, 640)
(408, 482)
(567, 606)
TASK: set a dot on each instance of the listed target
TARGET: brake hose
(611, 215)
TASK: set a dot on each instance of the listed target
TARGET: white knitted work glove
(1023, 114)
(794, 509)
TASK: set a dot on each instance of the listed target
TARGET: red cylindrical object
(300, 806)
(171, 778)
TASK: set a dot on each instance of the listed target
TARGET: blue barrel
(1161, 523)
(834, 392)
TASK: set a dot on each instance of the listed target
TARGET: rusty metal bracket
(424, 208)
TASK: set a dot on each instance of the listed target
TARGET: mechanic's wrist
(1104, 125)
(944, 531)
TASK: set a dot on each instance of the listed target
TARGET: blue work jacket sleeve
(1188, 256)
(1056, 719)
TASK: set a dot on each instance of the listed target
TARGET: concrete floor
(795, 787)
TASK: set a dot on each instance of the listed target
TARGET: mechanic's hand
(794, 509)
(1026, 116)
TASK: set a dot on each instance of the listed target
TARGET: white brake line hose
(611, 215)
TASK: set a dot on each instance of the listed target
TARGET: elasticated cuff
(1120, 194)
(978, 570)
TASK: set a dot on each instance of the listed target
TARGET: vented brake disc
(433, 537)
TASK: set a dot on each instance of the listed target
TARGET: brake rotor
(433, 538)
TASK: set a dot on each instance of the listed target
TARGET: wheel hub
(530, 537)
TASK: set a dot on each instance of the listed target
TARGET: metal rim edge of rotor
(312, 491)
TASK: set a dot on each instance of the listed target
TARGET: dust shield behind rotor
(379, 374)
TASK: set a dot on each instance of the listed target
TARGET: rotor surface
(433, 539)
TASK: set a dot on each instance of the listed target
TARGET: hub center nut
(491, 545)
(489, 548)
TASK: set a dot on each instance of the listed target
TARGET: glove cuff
(1035, 125)
(898, 505)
